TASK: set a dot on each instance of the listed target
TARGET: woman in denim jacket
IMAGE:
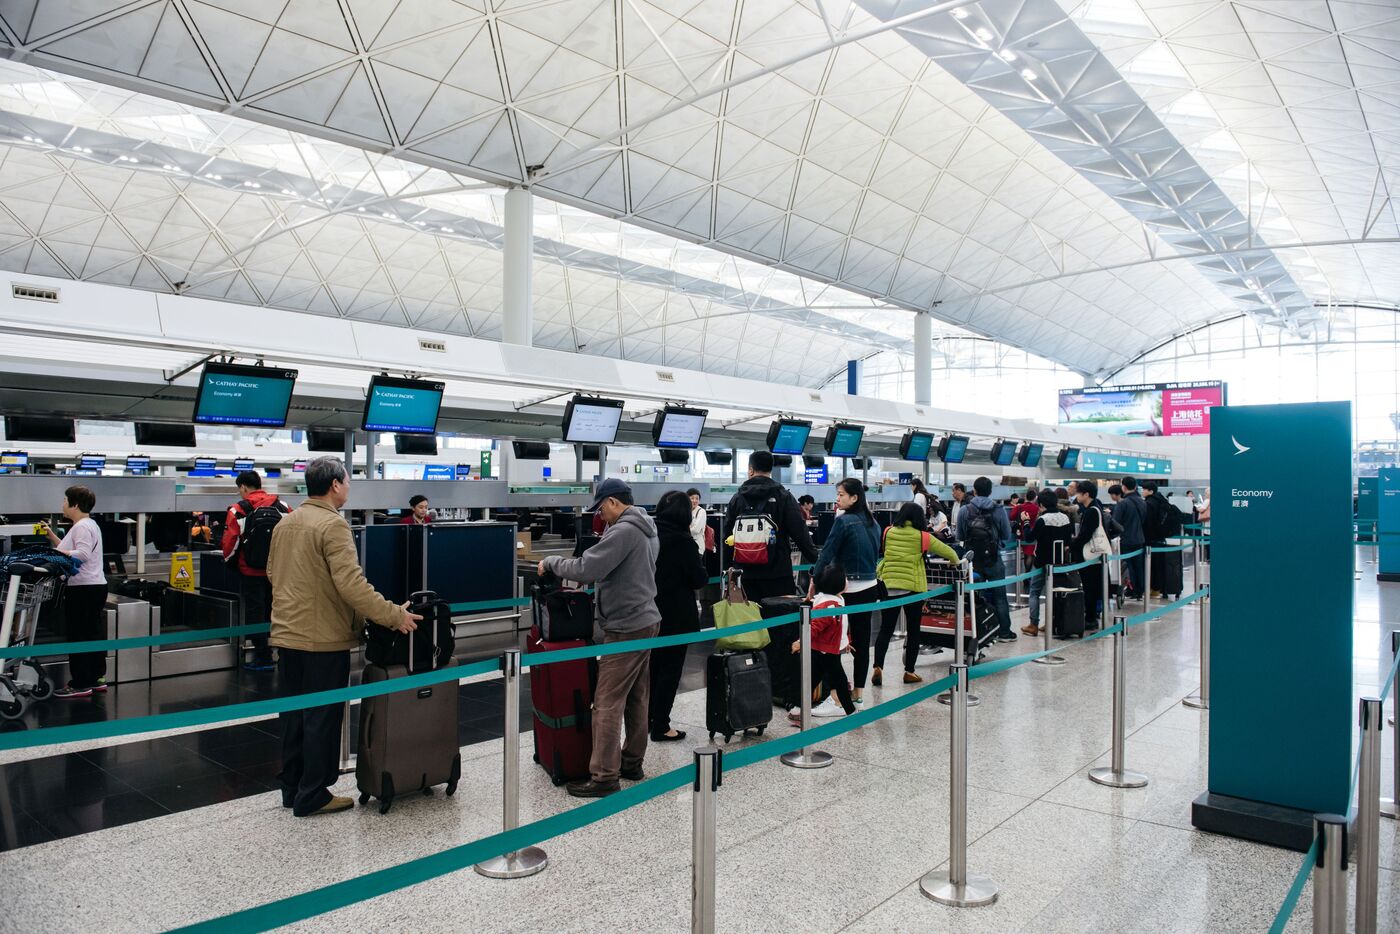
(854, 543)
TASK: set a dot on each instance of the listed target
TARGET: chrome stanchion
(531, 859)
(1107, 589)
(1201, 699)
(807, 757)
(956, 886)
(1020, 600)
(959, 618)
(1049, 617)
(1390, 807)
(347, 755)
(1115, 775)
(709, 776)
(1146, 578)
(1368, 816)
(1330, 875)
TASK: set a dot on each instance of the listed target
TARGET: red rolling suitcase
(562, 697)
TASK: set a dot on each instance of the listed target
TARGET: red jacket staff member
(418, 514)
(252, 551)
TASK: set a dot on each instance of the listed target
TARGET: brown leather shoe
(592, 789)
(877, 677)
(912, 678)
(336, 803)
(1031, 629)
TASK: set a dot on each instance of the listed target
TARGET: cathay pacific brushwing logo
(1239, 448)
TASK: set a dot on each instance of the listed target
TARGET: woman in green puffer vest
(901, 569)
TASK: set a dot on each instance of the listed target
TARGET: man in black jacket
(1131, 514)
(1090, 515)
(774, 579)
(1163, 522)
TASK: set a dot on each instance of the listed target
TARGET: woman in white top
(86, 594)
(920, 494)
(698, 520)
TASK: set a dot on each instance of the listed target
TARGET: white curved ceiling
(864, 164)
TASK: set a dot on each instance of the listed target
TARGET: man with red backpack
(248, 539)
(762, 524)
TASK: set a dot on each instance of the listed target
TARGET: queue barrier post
(1049, 617)
(530, 860)
(807, 757)
(1390, 807)
(347, 754)
(1201, 699)
(955, 886)
(959, 619)
(1117, 775)
(1020, 599)
(1107, 591)
(709, 776)
(1330, 874)
(1146, 578)
(1368, 815)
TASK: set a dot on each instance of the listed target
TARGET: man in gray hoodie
(623, 565)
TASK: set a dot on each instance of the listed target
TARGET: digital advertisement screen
(243, 395)
(403, 406)
(788, 436)
(1148, 410)
(844, 440)
(1003, 453)
(677, 427)
(812, 475)
(952, 449)
(915, 445)
(439, 472)
(592, 420)
(138, 464)
(1029, 455)
(14, 459)
(1121, 464)
(92, 461)
(464, 471)
(243, 463)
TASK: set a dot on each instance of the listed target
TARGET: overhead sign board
(1147, 409)
(1124, 464)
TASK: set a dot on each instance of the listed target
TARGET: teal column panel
(1281, 707)
(1366, 506)
(1388, 519)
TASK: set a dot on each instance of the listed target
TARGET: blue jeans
(1037, 588)
(997, 596)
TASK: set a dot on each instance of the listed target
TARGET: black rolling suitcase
(784, 668)
(408, 740)
(1068, 598)
(738, 693)
(1168, 578)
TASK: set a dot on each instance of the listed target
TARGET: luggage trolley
(939, 617)
(23, 680)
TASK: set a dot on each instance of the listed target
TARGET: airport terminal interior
(726, 465)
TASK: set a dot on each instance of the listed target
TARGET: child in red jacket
(830, 640)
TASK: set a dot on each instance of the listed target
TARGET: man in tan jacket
(319, 597)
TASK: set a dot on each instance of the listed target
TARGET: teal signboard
(1124, 464)
(1281, 711)
(1388, 517)
(1366, 506)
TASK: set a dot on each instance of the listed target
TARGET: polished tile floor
(840, 849)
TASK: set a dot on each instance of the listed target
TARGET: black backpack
(1169, 521)
(982, 538)
(255, 532)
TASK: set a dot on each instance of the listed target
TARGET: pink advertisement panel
(1187, 411)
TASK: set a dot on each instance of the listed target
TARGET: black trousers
(1092, 580)
(85, 620)
(666, 666)
(310, 738)
(913, 614)
(257, 608)
(859, 626)
(827, 672)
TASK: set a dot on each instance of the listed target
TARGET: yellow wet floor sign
(182, 570)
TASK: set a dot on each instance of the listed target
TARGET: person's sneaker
(68, 692)
(827, 709)
(592, 789)
(795, 717)
(633, 775)
(912, 678)
(858, 701)
(336, 803)
(100, 687)
(1008, 637)
(930, 650)
(260, 665)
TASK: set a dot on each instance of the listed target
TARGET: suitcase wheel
(385, 804)
(712, 736)
(364, 797)
(427, 792)
(451, 788)
(762, 728)
(727, 738)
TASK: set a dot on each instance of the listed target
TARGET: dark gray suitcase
(408, 740)
(738, 693)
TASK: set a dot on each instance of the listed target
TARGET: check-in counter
(128, 618)
(191, 611)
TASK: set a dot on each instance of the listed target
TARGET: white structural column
(518, 307)
(923, 358)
